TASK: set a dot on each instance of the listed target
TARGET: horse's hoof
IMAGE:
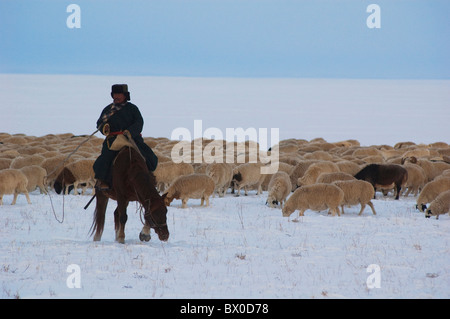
(144, 237)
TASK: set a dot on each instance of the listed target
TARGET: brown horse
(132, 181)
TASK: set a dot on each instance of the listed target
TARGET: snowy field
(238, 247)
(374, 112)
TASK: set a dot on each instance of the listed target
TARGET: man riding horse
(120, 118)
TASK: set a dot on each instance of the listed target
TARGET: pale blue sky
(232, 38)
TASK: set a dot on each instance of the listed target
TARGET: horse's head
(158, 219)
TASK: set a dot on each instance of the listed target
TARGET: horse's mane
(139, 167)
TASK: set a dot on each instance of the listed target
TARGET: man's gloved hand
(127, 134)
(106, 129)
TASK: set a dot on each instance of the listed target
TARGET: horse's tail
(98, 222)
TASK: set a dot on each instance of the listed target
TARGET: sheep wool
(13, 181)
(313, 172)
(195, 186)
(316, 197)
(329, 178)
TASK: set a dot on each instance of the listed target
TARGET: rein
(152, 220)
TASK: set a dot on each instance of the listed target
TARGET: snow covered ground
(237, 247)
(374, 112)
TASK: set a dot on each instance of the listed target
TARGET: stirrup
(101, 186)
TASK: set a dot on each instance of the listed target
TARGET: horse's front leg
(144, 235)
(120, 219)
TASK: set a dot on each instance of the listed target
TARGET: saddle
(120, 142)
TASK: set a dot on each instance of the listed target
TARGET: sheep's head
(287, 211)
(429, 213)
(237, 178)
(410, 159)
(422, 208)
(271, 201)
(167, 199)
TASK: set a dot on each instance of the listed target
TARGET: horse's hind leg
(116, 221)
(99, 215)
(120, 220)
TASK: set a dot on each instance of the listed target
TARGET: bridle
(152, 222)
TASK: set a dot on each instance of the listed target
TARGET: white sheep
(356, 192)
(221, 173)
(282, 167)
(362, 152)
(432, 169)
(54, 166)
(315, 170)
(417, 153)
(13, 181)
(417, 179)
(315, 197)
(445, 174)
(246, 175)
(167, 172)
(348, 167)
(430, 191)
(81, 172)
(196, 186)
(440, 205)
(36, 178)
(299, 170)
(279, 189)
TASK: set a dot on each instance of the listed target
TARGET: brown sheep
(383, 175)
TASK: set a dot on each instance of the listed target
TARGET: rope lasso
(57, 167)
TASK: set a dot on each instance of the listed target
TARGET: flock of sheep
(315, 175)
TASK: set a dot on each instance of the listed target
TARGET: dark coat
(127, 118)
